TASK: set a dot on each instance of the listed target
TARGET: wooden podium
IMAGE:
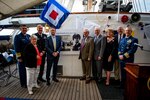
(137, 81)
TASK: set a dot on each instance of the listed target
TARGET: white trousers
(32, 75)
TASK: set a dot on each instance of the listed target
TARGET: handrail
(37, 15)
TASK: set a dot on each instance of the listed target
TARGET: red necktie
(82, 43)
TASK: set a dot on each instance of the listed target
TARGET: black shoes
(48, 83)
(41, 79)
(100, 80)
(24, 86)
(87, 81)
(55, 80)
(82, 78)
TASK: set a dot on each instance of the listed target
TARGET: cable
(145, 6)
(140, 6)
(135, 8)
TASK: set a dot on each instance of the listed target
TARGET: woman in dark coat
(109, 54)
(32, 59)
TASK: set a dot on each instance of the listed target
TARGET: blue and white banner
(54, 14)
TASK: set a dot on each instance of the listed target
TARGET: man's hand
(42, 53)
(89, 59)
(20, 60)
(55, 54)
(121, 57)
(99, 58)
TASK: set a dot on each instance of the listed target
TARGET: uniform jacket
(20, 41)
(50, 46)
(41, 42)
(127, 48)
(87, 50)
(99, 46)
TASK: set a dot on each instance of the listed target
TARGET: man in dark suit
(126, 51)
(86, 53)
(120, 35)
(20, 42)
(41, 38)
(53, 48)
(99, 47)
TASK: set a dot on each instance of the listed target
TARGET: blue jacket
(127, 48)
(50, 46)
(20, 42)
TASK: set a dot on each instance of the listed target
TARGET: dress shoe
(24, 86)
(87, 81)
(48, 83)
(94, 78)
(55, 80)
(82, 78)
(100, 80)
(42, 80)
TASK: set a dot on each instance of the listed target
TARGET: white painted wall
(76, 22)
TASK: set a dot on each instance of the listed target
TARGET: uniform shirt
(20, 42)
(41, 41)
(127, 47)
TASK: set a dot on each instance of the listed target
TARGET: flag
(54, 14)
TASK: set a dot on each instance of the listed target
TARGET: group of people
(108, 52)
(101, 52)
(31, 52)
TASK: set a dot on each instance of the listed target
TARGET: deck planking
(66, 89)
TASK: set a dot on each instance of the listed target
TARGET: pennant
(54, 14)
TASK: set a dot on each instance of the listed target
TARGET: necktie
(54, 43)
(119, 38)
(95, 38)
(82, 43)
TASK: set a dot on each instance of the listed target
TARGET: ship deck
(66, 89)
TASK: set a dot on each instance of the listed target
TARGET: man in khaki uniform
(86, 53)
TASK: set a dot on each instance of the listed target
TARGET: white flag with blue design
(54, 14)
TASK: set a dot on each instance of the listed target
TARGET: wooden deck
(66, 89)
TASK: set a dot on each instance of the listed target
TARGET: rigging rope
(145, 6)
(140, 6)
(135, 6)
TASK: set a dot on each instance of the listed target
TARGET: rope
(134, 6)
(145, 6)
(140, 6)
